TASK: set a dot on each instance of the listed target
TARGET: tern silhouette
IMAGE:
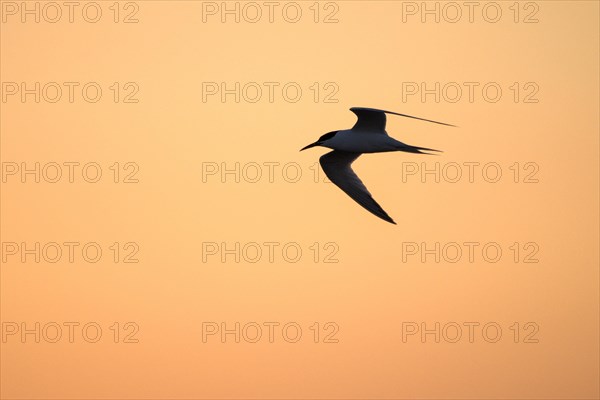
(368, 135)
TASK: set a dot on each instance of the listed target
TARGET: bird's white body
(361, 141)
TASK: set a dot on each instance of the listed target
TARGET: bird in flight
(368, 135)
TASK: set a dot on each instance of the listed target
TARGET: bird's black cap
(327, 136)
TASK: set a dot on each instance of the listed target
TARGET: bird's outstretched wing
(336, 165)
(373, 120)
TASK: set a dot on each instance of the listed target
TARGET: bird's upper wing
(369, 119)
(373, 120)
(336, 165)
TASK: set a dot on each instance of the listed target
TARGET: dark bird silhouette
(368, 135)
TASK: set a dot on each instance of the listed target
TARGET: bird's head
(322, 140)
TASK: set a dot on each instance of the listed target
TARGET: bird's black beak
(310, 145)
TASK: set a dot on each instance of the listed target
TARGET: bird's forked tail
(415, 149)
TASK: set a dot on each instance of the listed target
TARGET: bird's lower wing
(336, 165)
